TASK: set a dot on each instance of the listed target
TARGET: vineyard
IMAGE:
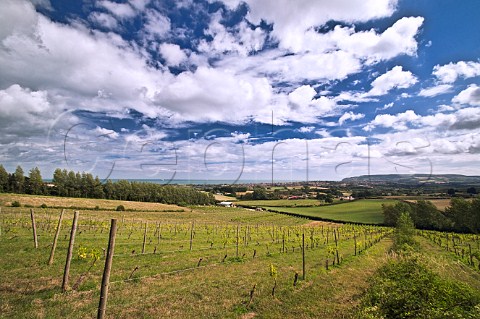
(203, 262)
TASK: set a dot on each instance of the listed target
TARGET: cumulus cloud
(104, 20)
(350, 116)
(214, 95)
(435, 90)
(120, 10)
(240, 39)
(470, 96)
(291, 20)
(74, 64)
(157, 26)
(395, 78)
(398, 122)
(323, 66)
(24, 113)
(172, 53)
(396, 40)
(449, 73)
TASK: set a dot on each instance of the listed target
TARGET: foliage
(465, 215)
(391, 213)
(16, 204)
(76, 184)
(407, 289)
(404, 232)
(120, 208)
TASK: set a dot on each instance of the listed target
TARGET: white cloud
(385, 107)
(395, 78)
(325, 66)
(214, 95)
(240, 40)
(156, 25)
(120, 10)
(350, 116)
(449, 73)
(435, 90)
(139, 4)
(291, 19)
(103, 19)
(470, 96)
(24, 113)
(398, 122)
(396, 40)
(306, 129)
(106, 132)
(172, 53)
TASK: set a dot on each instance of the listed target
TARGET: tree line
(75, 184)
(461, 216)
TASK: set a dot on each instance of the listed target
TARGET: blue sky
(240, 90)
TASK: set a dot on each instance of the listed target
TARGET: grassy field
(86, 203)
(367, 211)
(232, 251)
(280, 202)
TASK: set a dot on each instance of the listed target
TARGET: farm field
(280, 202)
(85, 203)
(204, 262)
(368, 211)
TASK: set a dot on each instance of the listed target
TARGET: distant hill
(409, 179)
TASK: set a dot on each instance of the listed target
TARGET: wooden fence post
(102, 306)
(303, 255)
(144, 238)
(191, 236)
(55, 239)
(34, 228)
(70, 252)
(236, 255)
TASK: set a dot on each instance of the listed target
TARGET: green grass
(368, 211)
(218, 289)
(281, 202)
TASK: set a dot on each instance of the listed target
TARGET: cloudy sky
(240, 90)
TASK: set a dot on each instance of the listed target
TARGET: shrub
(98, 208)
(120, 208)
(28, 206)
(407, 289)
(43, 205)
(16, 204)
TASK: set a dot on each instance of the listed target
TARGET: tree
(451, 191)
(472, 191)
(259, 193)
(3, 179)
(391, 213)
(60, 179)
(427, 216)
(463, 214)
(35, 182)
(404, 233)
(18, 181)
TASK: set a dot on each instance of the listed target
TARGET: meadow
(202, 262)
(368, 211)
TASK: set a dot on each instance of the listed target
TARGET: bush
(28, 206)
(43, 205)
(120, 208)
(98, 208)
(407, 289)
(16, 204)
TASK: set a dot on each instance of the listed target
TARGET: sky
(270, 90)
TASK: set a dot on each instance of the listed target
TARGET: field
(85, 203)
(281, 203)
(203, 262)
(367, 211)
